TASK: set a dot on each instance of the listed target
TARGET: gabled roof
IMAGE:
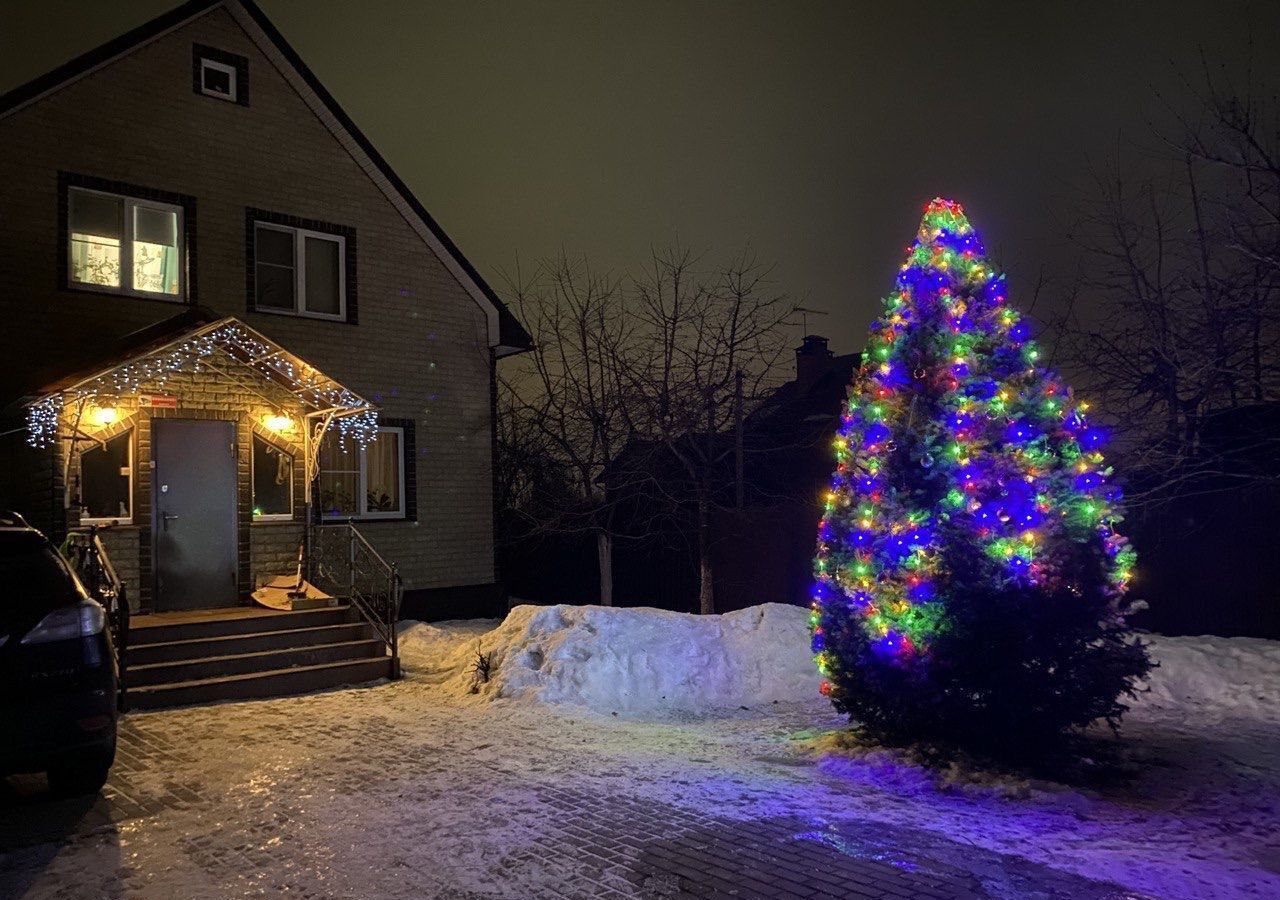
(135, 344)
(506, 334)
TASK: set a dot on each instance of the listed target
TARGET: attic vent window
(217, 80)
(221, 75)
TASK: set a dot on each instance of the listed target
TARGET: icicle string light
(357, 420)
(42, 420)
(950, 389)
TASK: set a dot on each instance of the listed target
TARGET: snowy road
(402, 791)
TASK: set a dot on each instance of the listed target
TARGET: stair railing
(342, 562)
(89, 558)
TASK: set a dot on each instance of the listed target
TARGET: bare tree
(532, 480)
(707, 347)
(565, 405)
(1174, 319)
(1235, 132)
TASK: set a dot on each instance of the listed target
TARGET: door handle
(166, 518)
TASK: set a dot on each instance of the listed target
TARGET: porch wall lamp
(104, 416)
(277, 423)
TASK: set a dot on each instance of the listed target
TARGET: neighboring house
(214, 290)
(1209, 549)
(763, 550)
(766, 551)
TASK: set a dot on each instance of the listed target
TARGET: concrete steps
(239, 620)
(246, 653)
(234, 644)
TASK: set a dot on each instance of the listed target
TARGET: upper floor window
(124, 244)
(300, 268)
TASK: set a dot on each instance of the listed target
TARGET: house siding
(420, 350)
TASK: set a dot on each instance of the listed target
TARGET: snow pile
(626, 661)
(1236, 676)
(423, 644)
(643, 660)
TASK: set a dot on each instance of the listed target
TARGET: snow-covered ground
(423, 789)
(1197, 816)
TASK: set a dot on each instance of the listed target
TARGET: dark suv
(58, 677)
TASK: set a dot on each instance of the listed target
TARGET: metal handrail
(88, 556)
(341, 561)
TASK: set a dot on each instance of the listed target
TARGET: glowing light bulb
(102, 416)
(277, 422)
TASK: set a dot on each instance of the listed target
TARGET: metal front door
(193, 486)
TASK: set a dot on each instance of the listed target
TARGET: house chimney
(812, 360)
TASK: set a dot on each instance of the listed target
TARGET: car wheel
(85, 773)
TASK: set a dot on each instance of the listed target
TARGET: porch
(189, 465)
(235, 653)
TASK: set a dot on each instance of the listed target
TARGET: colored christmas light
(953, 433)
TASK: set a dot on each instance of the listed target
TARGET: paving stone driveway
(334, 796)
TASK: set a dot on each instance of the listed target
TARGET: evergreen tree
(969, 574)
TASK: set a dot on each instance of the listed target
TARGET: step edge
(266, 674)
(149, 667)
(272, 622)
(249, 634)
(144, 621)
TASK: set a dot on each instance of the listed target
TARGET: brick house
(217, 298)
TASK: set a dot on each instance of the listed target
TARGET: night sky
(811, 131)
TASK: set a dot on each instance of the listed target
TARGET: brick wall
(121, 543)
(420, 348)
(30, 482)
(273, 550)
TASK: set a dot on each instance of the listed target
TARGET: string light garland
(354, 417)
(42, 420)
(953, 429)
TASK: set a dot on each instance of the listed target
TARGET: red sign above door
(158, 401)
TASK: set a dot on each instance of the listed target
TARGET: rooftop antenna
(805, 312)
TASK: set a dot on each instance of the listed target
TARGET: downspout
(493, 464)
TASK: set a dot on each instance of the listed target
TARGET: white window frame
(362, 492)
(232, 79)
(269, 517)
(105, 520)
(300, 236)
(129, 207)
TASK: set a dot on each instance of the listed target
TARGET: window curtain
(339, 477)
(157, 229)
(382, 473)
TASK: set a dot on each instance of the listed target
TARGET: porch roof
(194, 340)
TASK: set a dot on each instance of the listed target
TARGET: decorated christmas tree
(970, 578)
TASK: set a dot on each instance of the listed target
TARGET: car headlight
(68, 622)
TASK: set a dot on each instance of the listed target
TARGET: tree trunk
(604, 556)
(706, 592)
(738, 482)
